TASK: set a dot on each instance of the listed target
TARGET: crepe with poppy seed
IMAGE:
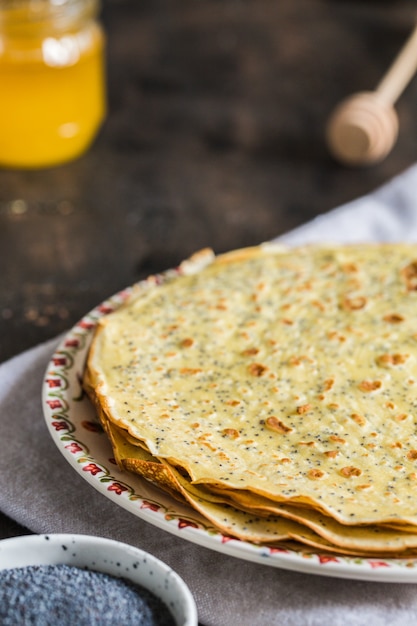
(288, 374)
(263, 521)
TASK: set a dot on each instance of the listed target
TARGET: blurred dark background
(214, 137)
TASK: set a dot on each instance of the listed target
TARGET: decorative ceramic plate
(76, 431)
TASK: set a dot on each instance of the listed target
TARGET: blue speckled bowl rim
(104, 555)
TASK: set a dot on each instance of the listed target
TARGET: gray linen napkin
(40, 490)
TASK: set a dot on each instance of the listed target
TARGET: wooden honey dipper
(364, 127)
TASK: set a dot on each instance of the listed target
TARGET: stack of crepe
(275, 391)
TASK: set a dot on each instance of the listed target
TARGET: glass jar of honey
(52, 86)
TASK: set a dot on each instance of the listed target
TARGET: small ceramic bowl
(107, 556)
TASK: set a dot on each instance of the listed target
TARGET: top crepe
(290, 374)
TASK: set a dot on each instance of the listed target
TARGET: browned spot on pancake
(333, 334)
(370, 385)
(358, 419)
(350, 471)
(304, 408)
(250, 352)
(393, 318)
(273, 423)
(257, 369)
(315, 474)
(328, 384)
(389, 360)
(354, 303)
(232, 433)
(331, 454)
(298, 360)
(189, 371)
(409, 274)
(337, 439)
(319, 305)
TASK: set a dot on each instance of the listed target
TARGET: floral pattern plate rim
(72, 423)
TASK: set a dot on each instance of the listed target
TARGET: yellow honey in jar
(52, 93)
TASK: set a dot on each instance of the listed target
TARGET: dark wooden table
(214, 137)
